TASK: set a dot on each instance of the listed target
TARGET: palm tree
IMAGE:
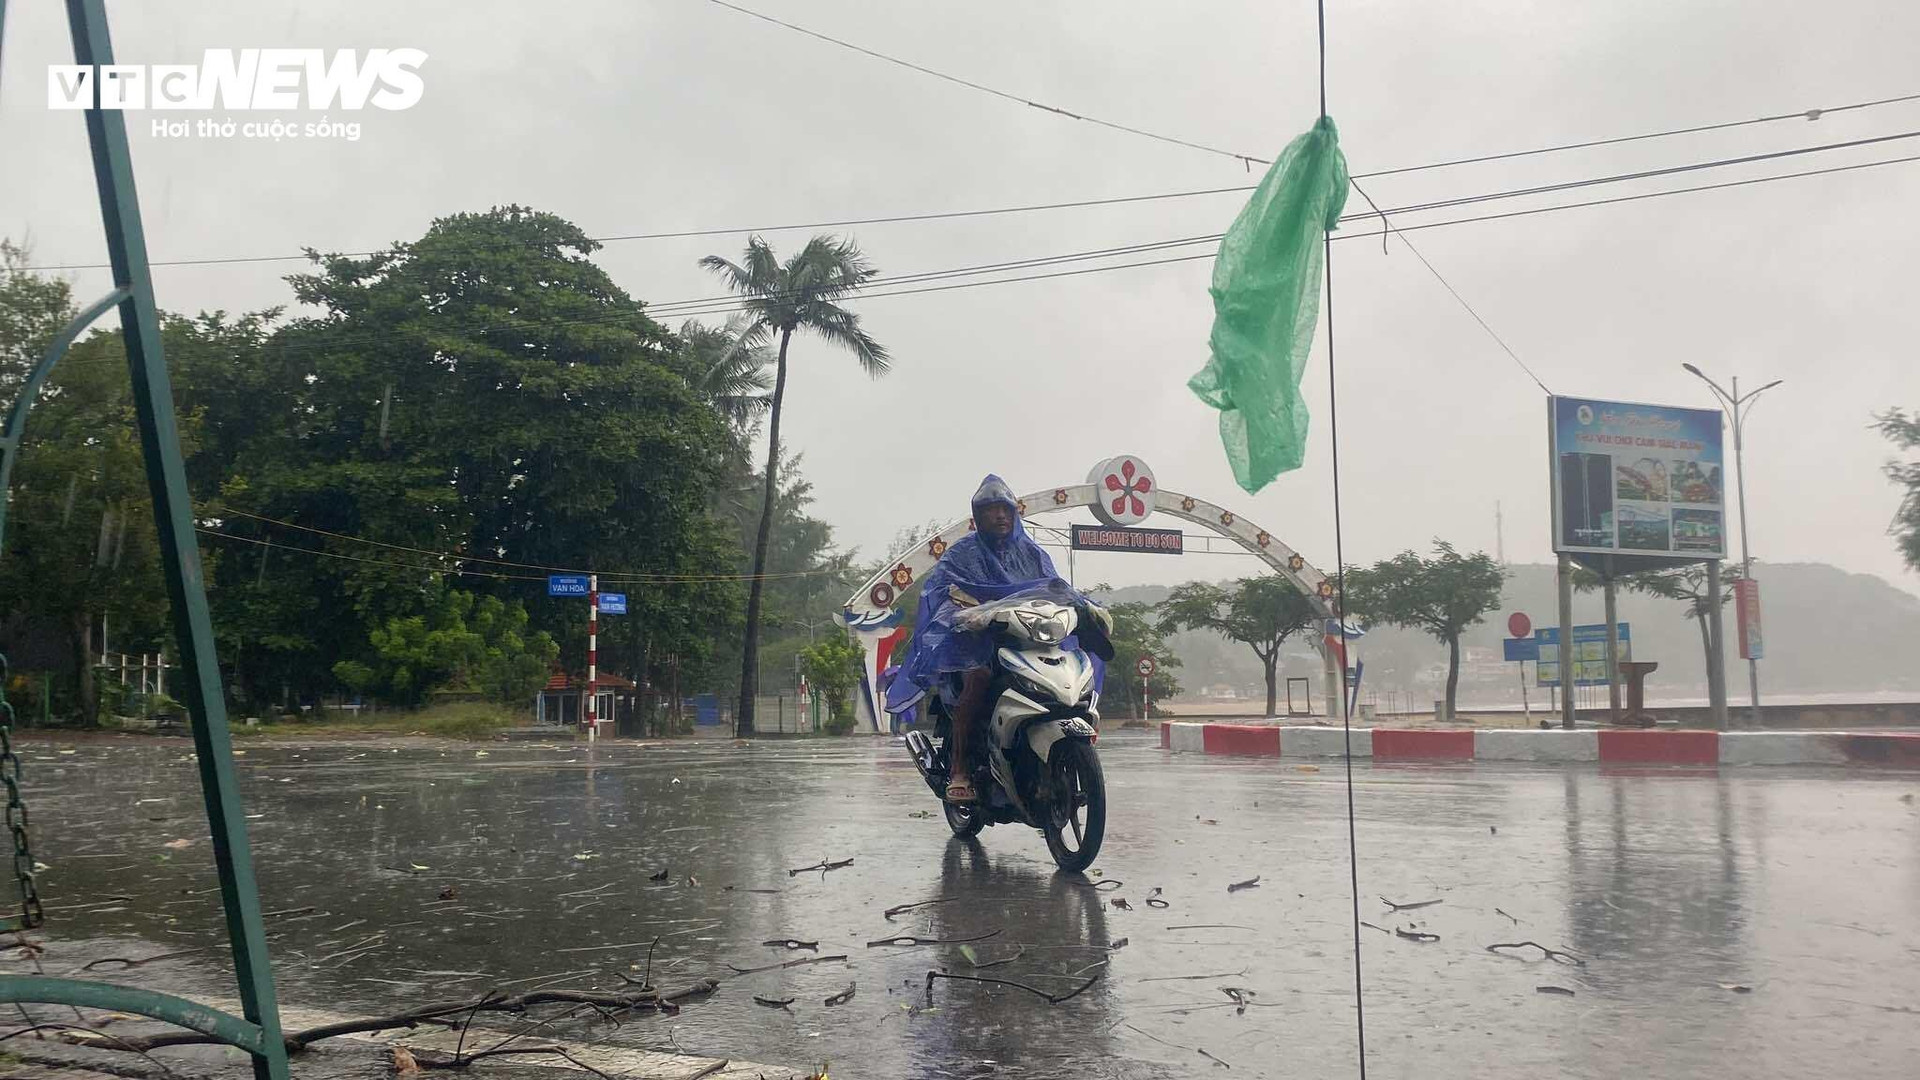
(730, 369)
(779, 298)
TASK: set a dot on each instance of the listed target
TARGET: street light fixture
(1734, 403)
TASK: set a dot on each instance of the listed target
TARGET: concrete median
(1604, 746)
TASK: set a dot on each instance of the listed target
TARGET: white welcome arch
(872, 613)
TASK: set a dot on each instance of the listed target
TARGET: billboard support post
(1566, 640)
(1717, 656)
(1611, 592)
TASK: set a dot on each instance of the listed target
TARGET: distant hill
(1827, 631)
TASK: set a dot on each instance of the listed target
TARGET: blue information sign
(613, 603)
(1522, 648)
(566, 584)
(1589, 654)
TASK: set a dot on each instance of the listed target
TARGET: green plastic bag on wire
(1266, 301)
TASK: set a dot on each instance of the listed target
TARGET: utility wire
(1804, 114)
(1035, 207)
(612, 576)
(725, 305)
(204, 531)
(1397, 229)
(674, 308)
(1002, 94)
(1387, 226)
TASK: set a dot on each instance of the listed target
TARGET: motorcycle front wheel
(1079, 818)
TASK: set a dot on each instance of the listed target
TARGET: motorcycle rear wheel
(1080, 821)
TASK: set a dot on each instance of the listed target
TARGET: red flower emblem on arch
(1326, 590)
(1296, 562)
(1020, 507)
(902, 577)
(1262, 538)
(1059, 496)
(1187, 504)
(936, 547)
(1226, 517)
(1127, 487)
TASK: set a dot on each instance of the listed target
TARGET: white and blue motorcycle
(1036, 764)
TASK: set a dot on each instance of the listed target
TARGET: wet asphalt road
(1673, 886)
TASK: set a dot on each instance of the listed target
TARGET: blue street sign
(613, 603)
(1522, 648)
(566, 584)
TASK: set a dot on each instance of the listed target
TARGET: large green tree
(1903, 431)
(1260, 612)
(802, 294)
(1439, 596)
(479, 403)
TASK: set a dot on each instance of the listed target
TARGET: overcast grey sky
(678, 114)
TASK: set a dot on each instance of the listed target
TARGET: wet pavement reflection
(403, 873)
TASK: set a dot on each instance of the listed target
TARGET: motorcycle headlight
(1049, 631)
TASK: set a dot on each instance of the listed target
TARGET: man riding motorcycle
(996, 560)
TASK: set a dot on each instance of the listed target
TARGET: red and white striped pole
(593, 656)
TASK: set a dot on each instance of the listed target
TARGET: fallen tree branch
(1250, 883)
(436, 1013)
(900, 908)
(791, 944)
(1191, 978)
(126, 964)
(1554, 955)
(842, 997)
(1415, 935)
(823, 866)
(788, 964)
(907, 941)
(1052, 999)
(1415, 906)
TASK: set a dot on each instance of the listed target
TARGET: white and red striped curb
(1635, 747)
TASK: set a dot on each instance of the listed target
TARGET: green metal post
(173, 515)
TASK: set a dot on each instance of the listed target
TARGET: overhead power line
(609, 576)
(723, 305)
(1002, 94)
(671, 308)
(1022, 208)
(1802, 114)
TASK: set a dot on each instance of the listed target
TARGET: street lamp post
(1734, 403)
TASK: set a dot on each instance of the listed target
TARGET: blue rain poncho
(986, 569)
